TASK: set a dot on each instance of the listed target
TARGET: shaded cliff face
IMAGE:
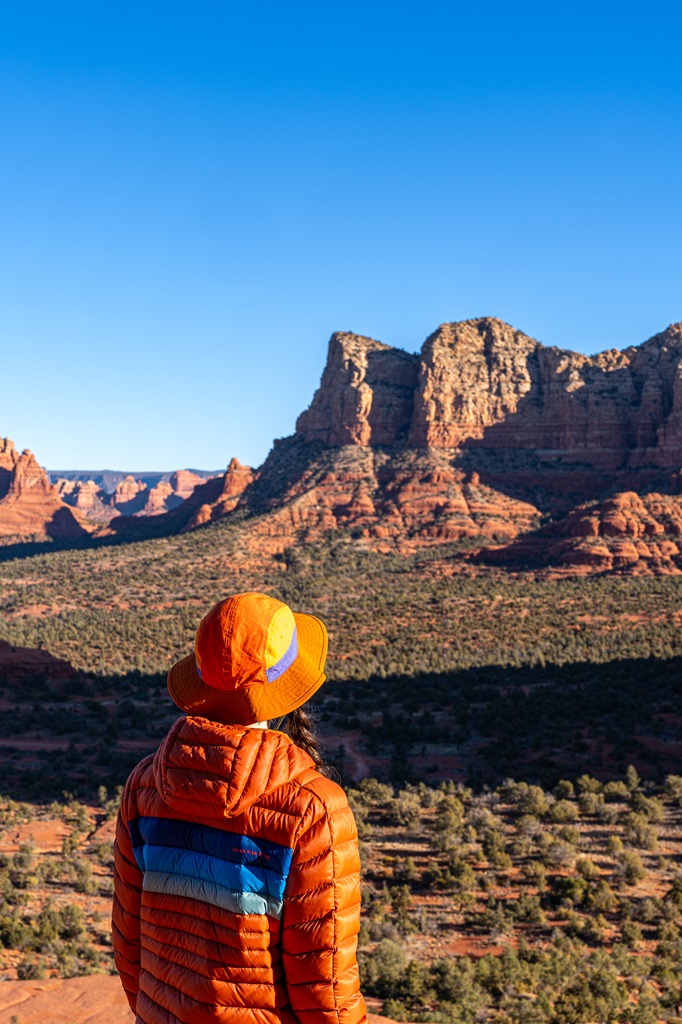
(217, 498)
(483, 384)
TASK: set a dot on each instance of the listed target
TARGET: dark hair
(300, 729)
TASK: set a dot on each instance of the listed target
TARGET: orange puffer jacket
(237, 890)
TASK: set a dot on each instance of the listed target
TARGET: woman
(237, 893)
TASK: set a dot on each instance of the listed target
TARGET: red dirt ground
(47, 836)
(96, 999)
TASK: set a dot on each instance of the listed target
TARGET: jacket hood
(217, 771)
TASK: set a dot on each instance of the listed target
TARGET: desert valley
(492, 530)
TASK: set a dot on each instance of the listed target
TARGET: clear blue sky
(195, 195)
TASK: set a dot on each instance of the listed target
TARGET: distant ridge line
(108, 479)
(68, 474)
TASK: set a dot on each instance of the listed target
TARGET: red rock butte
(483, 381)
(485, 436)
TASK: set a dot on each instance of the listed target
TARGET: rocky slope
(94, 999)
(219, 497)
(485, 435)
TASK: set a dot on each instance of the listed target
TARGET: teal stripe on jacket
(211, 892)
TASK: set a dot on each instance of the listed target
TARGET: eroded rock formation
(487, 439)
(87, 497)
(484, 435)
(158, 498)
(29, 505)
(222, 495)
(130, 495)
(183, 482)
(481, 383)
(366, 394)
(631, 531)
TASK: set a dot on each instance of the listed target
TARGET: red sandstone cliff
(220, 502)
(158, 497)
(637, 533)
(29, 505)
(366, 394)
(87, 497)
(130, 497)
(481, 383)
(480, 436)
(183, 483)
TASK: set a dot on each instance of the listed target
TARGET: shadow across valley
(537, 724)
(478, 726)
(127, 530)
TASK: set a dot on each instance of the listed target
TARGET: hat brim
(261, 701)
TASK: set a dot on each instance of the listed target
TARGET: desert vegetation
(115, 608)
(510, 904)
(521, 904)
(55, 887)
(510, 744)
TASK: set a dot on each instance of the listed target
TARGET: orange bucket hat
(253, 659)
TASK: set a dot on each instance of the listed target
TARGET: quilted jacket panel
(237, 889)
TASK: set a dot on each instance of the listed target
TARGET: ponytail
(300, 730)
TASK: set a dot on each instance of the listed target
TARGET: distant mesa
(108, 479)
(103, 495)
(73, 504)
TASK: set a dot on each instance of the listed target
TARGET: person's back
(237, 893)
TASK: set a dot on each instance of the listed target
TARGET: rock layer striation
(483, 384)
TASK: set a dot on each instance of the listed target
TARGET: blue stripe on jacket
(241, 873)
